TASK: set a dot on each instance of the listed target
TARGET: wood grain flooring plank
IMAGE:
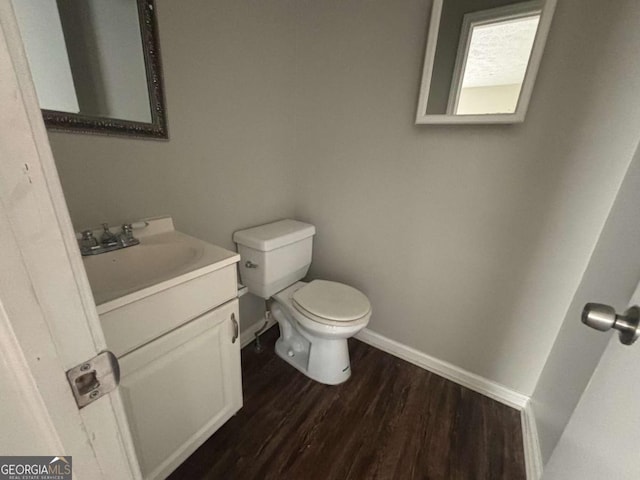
(391, 420)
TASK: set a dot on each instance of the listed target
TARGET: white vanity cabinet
(169, 312)
(182, 387)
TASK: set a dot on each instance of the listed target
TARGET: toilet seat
(332, 303)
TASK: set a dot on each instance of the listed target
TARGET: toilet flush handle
(250, 264)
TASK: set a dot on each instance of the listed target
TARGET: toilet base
(332, 369)
(321, 359)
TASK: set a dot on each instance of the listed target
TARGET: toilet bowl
(315, 318)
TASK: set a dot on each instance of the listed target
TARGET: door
(48, 320)
(594, 435)
(602, 437)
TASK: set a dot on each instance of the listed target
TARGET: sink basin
(116, 273)
(159, 261)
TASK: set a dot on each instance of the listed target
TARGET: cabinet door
(181, 388)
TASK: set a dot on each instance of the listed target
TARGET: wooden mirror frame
(157, 128)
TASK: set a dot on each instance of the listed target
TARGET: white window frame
(477, 19)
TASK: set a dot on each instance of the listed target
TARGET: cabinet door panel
(180, 388)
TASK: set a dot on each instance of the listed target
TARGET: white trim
(531, 443)
(527, 86)
(429, 57)
(447, 370)
(249, 334)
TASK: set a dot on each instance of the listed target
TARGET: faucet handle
(126, 231)
(88, 239)
(107, 238)
(126, 235)
(87, 243)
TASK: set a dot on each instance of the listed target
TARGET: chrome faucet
(88, 242)
(107, 238)
(109, 241)
(126, 238)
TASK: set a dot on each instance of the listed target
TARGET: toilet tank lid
(274, 235)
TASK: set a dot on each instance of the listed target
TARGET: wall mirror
(481, 60)
(95, 65)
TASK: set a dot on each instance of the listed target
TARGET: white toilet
(315, 318)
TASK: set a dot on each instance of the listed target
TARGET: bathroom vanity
(169, 312)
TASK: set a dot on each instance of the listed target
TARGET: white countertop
(163, 259)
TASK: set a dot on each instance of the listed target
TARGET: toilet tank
(274, 256)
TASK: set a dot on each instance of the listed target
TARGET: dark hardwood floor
(391, 420)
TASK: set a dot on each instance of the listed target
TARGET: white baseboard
(489, 388)
(249, 334)
(531, 443)
(447, 370)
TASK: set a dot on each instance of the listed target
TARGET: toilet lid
(332, 300)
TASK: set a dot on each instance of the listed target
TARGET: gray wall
(228, 69)
(43, 40)
(117, 33)
(82, 48)
(105, 52)
(470, 241)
